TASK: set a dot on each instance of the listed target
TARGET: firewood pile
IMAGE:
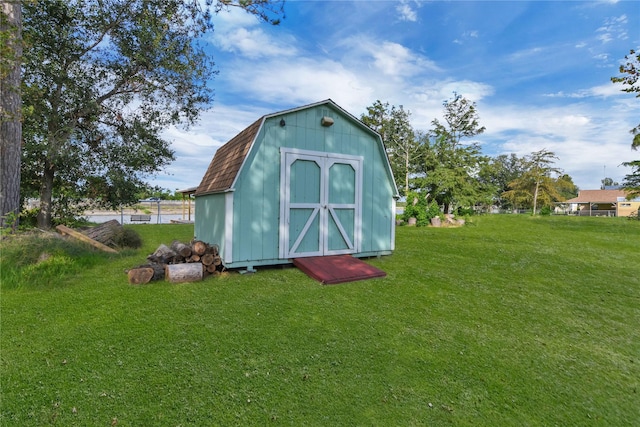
(179, 263)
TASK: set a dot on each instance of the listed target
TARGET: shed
(309, 181)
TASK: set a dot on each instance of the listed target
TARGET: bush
(545, 211)
(417, 207)
(433, 210)
(127, 238)
(465, 211)
(29, 218)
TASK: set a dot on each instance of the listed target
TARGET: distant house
(310, 181)
(603, 203)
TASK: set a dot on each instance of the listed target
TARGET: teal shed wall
(211, 207)
(245, 221)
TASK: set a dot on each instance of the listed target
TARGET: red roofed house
(604, 203)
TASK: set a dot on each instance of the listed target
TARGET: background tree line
(445, 164)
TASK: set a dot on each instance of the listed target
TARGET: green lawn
(511, 320)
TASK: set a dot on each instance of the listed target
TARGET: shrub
(29, 218)
(465, 211)
(127, 238)
(433, 210)
(416, 208)
(545, 211)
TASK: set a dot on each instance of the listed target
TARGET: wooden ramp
(334, 269)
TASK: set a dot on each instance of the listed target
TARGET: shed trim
(228, 227)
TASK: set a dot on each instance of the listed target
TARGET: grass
(513, 320)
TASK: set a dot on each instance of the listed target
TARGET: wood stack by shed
(178, 263)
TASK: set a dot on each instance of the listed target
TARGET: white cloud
(301, 81)
(605, 90)
(390, 58)
(613, 28)
(584, 137)
(239, 32)
(406, 12)
(466, 36)
(394, 59)
(524, 54)
(253, 43)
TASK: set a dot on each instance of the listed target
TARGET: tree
(401, 144)
(607, 182)
(101, 81)
(10, 112)
(632, 70)
(536, 185)
(461, 119)
(499, 172)
(566, 187)
(631, 181)
(451, 168)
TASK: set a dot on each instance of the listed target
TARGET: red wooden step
(334, 269)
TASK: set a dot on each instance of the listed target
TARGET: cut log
(140, 275)
(105, 232)
(213, 250)
(162, 255)
(179, 273)
(68, 231)
(181, 249)
(217, 261)
(194, 258)
(211, 268)
(207, 259)
(158, 271)
(198, 247)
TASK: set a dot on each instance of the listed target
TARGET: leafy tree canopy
(536, 186)
(630, 74)
(101, 80)
(401, 143)
(499, 172)
(631, 181)
(461, 119)
(451, 169)
(630, 71)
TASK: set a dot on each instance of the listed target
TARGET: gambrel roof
(228, 159)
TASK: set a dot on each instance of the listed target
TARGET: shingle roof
(227, 161)
(597, 196)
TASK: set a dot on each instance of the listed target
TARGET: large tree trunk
(105, 232)
(10, 114)
(46, 197)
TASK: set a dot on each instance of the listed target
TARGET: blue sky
(539, 72)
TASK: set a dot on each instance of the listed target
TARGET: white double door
(320, 203)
